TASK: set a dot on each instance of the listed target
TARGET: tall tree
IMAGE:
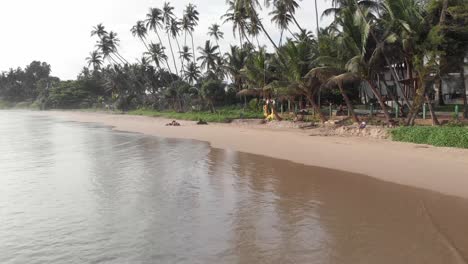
(215, 32)
(167, 18)
(209, 57)
(191, 15)
(95, 60)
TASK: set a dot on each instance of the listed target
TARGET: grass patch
(5, 105)
(222, 115)
(447, 136)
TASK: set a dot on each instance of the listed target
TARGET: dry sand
(444, 170)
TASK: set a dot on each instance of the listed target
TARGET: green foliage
(69, 94)
(447, 136)
(223, 115)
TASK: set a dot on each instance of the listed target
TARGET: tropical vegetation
(401, 50)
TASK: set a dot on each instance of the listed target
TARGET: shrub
(447, 136)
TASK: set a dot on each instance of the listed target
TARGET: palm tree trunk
(348, 103)
(172, 52)
(264, 30)
(193, 48)
(297, 24)
(435, 121)
(418, 101)
(160, 43)
(317, 19)
(465, 103)
(180, 57)
(322, 117)
(381, 102)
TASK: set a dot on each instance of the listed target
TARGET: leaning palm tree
(282, 18)
(114, 41)
(191, 15)
(95, 60)
(289, 7)
(139, 30)
(251, 8)
(238, 18)
(167, 17)
(154, 22)
(174, 30)
(209, 57)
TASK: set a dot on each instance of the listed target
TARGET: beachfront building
(449, 89)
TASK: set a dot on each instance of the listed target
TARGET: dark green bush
(447, 136)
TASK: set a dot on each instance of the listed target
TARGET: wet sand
(443, 170)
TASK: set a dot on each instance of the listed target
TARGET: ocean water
(81, 193)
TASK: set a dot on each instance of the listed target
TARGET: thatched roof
(322, 74)
(345, 79)
(250, 92)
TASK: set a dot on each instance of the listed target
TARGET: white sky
(58, 31)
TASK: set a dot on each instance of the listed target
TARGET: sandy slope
(439, 169)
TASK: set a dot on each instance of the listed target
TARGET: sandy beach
(443, 170)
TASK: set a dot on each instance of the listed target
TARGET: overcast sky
(58, 31)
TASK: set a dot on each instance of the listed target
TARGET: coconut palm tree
(236, 60)
(281, 17)
(167, 17)
(174, 31)
(139, 30)
(289, 7)
(95, 60)
(238, 18)
(208, 57)
(185, 56)
(99, 30)
(215, 32)
(192, 73)
(251, 7)
(191, 17)
(114, 43)
(156, 54)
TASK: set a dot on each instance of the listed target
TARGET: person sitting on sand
(362, 126)
(173, 123)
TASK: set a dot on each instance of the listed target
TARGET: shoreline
(444, 170)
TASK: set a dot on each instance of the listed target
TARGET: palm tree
(209, 57)
(99, 30)
(238, 18)
(139, 30)
(289, 7)
(250, 8)
(192, 73)
(185, 56)
(281, 17)
(236, 60)
(95, 59)
(114, 44)
(191, 17)
(215, 32)
(174, 29)
(167, 18)
(156, 54)
(154, 21)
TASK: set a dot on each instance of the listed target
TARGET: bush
(448, 136)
